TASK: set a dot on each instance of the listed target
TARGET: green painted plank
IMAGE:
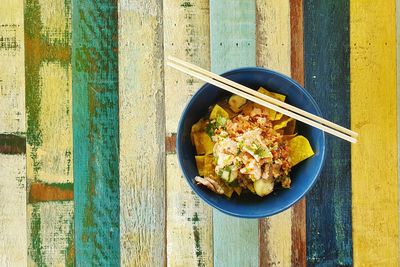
(233, 38)
(96, 132)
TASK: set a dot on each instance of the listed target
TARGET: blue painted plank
(96, 132)
(327, 78)
(233, 37)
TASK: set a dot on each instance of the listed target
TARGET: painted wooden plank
(142, 134)
(12, 94)
(12, 143)
(13, 241)
(233, 38)
(49, 126)
(41, 192)
(189, 220)
(299, 253)
(96, 132)
(373, 115)
(326, 67)
(273, 52)
(189, 223)
(398, 105)
(51, 233)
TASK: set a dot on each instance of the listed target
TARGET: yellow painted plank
(141, 112)
(49, 128)
(189, 220)
(55, 117)
(13, 238)
(398, 100)
(186, 36)
(273, 35)
(373, 115)
(273, 52)
(52, 160)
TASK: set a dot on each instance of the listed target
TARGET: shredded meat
(210, 184)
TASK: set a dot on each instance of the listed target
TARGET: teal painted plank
(233, 38)
(233, 34)
(327, 78)
(96, 132)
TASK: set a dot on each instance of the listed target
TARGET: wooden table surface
(89, 111)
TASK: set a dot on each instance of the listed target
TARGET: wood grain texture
(13, 240)
(12, 143)
(12, 83)
(398, 105)
(233, 39)
(189, 220)
(40, 192)
(170, 143)
(142, 134)
(96, 132)
(299, 253)
(373, 116)
(297, 40)
(273, 52)
(49, 125)
(327, 78)
(51, 234)
(189, 223)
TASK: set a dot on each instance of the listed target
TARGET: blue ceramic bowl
(303, 175)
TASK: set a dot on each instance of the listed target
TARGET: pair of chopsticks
(263, 100)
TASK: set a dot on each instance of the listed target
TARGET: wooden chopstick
(265, 97)
(261, 102)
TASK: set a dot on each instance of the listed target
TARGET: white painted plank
(273, 52)
(13, 238)
(142, 135)
(12, 82)
(51, 229)
(189, 220)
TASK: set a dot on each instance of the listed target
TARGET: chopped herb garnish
(210, 128)
(221, 121)
(261, 152)
(215, 124)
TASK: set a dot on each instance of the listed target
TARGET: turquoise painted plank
(96, 132)
(327, 78)
(233, 39)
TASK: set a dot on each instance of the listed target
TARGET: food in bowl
(245, 147)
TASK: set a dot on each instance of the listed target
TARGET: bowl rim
(195, 188)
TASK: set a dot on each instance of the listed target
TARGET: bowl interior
(303, 175)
